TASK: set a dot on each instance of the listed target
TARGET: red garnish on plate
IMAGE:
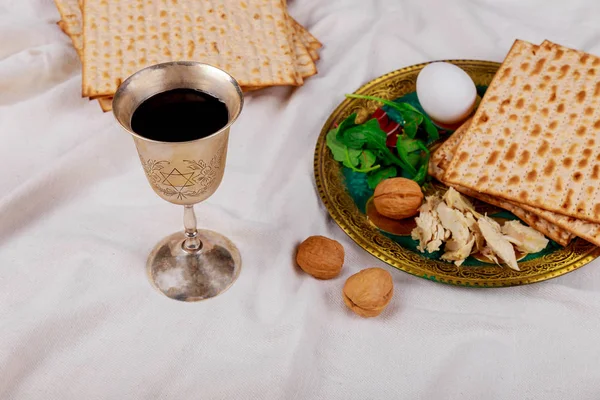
(382, 117)
(391, 128)
(392, 139)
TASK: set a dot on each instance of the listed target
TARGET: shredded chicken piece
(439, 236)
(429, 232)
(496, 241)
(489, 254)
(458, 254)
(452, 219)
(493, 222)
(456, 222)
(526, 239)
(424, 230)
(459, 247)
(479, 239)
(471, 221)
(455, 200)
(430, 204)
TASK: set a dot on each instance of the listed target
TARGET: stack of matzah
(533, 146)
(256, 41)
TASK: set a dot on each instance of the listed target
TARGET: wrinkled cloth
(79, 319)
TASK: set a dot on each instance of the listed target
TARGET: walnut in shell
(320, 257)
(368, 292)
(398, 198)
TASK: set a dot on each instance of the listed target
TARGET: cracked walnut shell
(368, 292)
(320, 257)
(398, 198)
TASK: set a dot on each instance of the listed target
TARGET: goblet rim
(229, 77)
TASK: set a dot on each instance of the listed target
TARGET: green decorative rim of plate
(331, 180)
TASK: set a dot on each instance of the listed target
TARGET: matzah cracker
(250, 40)
(74, 28)
(71, 9)
(72, 25)
(304, 64)
(442, 156)
(544, 149)
(105, 103)
(309, 41)
(71, 22)
(491, 104)
(440, 160)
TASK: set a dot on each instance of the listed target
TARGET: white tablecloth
(79, 319)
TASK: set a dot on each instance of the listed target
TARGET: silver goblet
(194, 264)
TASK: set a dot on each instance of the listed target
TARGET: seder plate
(347, 198)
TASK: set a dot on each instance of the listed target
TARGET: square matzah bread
(72, 25)
(442, 156)
(535, 137)
(589, 231)
(303, 41)
(250, 39)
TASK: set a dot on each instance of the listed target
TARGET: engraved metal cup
(194, 264)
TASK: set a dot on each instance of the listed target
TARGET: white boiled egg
(446, 92)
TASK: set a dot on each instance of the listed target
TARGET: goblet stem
(191, 244)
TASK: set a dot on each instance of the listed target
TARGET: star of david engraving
(178, 181)
(195, 183)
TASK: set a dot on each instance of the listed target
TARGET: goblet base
(194, 276)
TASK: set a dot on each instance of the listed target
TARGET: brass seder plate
(335, 192)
